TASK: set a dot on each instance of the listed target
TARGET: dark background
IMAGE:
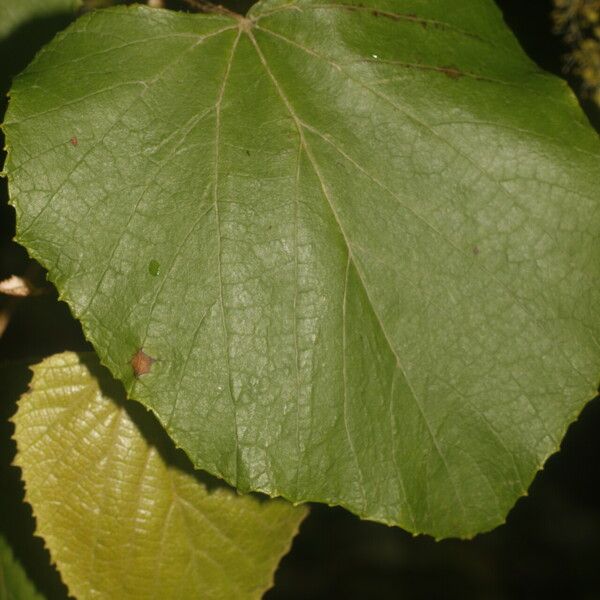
(549, 547)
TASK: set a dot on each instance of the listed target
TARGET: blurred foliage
(579, 22)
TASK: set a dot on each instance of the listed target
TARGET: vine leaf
(122, 512)
(358, 242)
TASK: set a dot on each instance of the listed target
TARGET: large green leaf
(121, 510)
(352, 248)
(14, 583)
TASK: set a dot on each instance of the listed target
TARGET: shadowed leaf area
(24, 557)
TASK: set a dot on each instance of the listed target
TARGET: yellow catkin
(578, 21)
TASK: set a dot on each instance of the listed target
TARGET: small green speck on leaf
(154, 268)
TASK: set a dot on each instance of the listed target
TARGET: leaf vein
(219, 250)
(299, 127)
(465, 157)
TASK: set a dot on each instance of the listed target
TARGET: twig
(27, 284)
(17, 287)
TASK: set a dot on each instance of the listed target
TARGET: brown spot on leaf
(74, 141)
(475, 250)
(383, 13)
(141, 363)
(399, 17)
(380, 13)
(414, 17)
(451, 72)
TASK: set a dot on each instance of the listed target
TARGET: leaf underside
(121, 511)
(357, 243)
